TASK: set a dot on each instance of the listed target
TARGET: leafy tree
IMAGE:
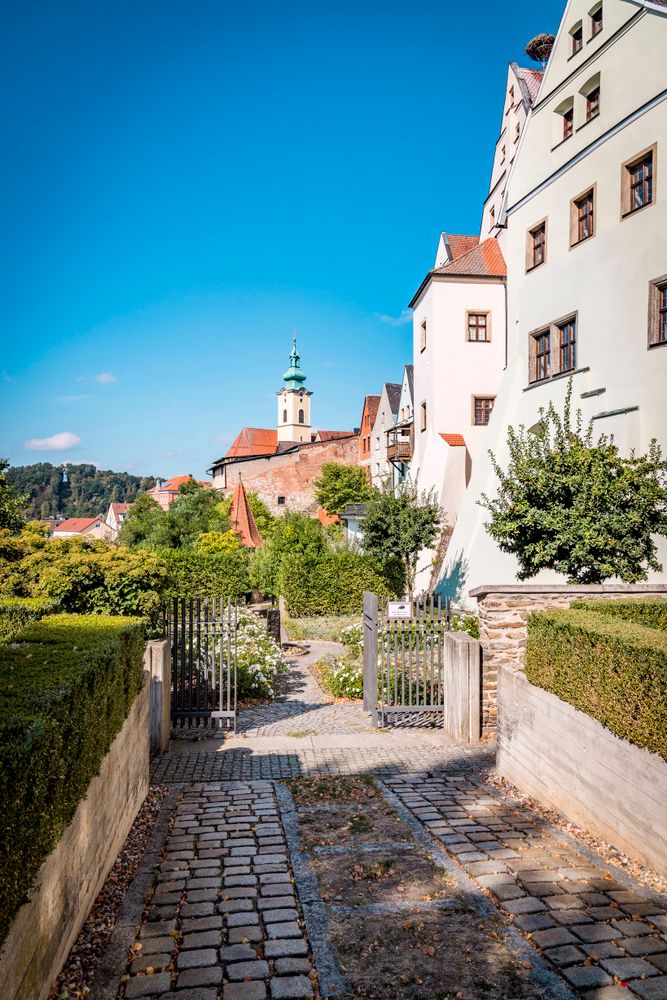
(194, 512)
(339, 485)
(145, 524)
(293, 534)
(11, 501)
(401, 522)
(575, 506)
(264, 519)
(74, 490)
(218, 541)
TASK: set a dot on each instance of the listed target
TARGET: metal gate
(404, 680)
(203, 637)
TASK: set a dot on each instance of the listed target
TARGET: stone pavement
(228, 919)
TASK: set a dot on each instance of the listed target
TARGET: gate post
(371, 655)
(463, 694)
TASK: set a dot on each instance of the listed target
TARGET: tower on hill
(294, 403)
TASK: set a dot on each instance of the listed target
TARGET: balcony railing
(399, 443)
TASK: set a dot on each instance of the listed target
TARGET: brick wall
(503, 611)
(291, 476)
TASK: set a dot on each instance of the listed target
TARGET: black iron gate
(203, 637)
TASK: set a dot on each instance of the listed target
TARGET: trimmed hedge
(206, 574)
(334, 583)
(16, 613)
(651, 612)
(611, 669)
(67, 684)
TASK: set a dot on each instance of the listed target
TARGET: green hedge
(334, 583)
(17, 612)
(206, 574)
(611, 669)
(67, 684)
(652, 612)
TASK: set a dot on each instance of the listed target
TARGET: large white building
(459, 336)
(585, 213)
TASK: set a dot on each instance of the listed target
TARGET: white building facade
(586, 252)
(385, 418)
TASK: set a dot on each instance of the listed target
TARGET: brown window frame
(478, 314)
(582, 208)
(593, 103)
(422, 336)
(485, 411)
(657, 312)
(423, 416)
(596, 26)
(567, 345)
(535, 355)
(531, 262)
(577, 36)
(627, 185)
(568, 123)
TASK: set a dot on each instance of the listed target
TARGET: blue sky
(183, 184)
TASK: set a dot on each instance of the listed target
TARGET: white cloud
(72, 399)
(402, 320)
(56, 442)
(105, 378)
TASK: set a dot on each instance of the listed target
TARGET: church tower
(294, 403)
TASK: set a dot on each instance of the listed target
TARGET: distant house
(368, 415)
(83, 527)
(115, 516)
(352, 517)
(385, 418)
(165, 492)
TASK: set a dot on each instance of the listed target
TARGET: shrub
(67, 684)
(18, 612)
(334, 583)
(206, 574)
(259, 658)
(342, 678)
(613, 670)
(652, 613)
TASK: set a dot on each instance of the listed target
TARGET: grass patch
(327, 628)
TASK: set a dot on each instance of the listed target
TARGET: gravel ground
(611, 855)
(76, 978)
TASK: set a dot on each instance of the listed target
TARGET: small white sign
(399, 609)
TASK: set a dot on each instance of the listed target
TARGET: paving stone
(564, 902)
(201, 923)
(603, 949)
(243, 919)
(154, 945)
(240, 934)
(628, 968)
(529, 904)
(210, 976)
(275, 902)
(247, 970)
(293, 966)
(237, 953)
(289, 929)
(633, 928)
(645, 946)
(244, 991)
(567, 955)
(156, 961)
(158, 928)
(279, 916)
(286, 948)
(534, 922)
(553, 937)
(650, 989)
(205, 939)
(235, 906)
(659, 920)
(291, 988)
(145, 986)
(198, 909)
(586, 975)
(197, 958)
(607, 993)
(596, 932)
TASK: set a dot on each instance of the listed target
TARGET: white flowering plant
(342, 677)
(259, 657)
(353, 638)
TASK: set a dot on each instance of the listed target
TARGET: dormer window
(593, 103)
(596, 20)
(577, 36)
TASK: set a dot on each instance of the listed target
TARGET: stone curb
(542, 975)
(105, 984)
(331, 981)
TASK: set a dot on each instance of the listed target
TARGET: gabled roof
(454, 440)
(532, 79)
(483, 261)
(332, 435)
(174, 484)
(371, 406)
(120, 508)
(410, 375)
(243, 519)
(78, 524)
(459, 246)
(253, 441)
(393, 395)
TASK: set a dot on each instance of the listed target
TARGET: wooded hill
(74, 490)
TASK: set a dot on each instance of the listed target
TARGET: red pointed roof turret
(243, 519)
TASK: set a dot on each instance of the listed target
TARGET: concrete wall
(570, 762)
(66, 885)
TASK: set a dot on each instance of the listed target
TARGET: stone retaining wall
(570, 762)
(66, 885)
(503, 611)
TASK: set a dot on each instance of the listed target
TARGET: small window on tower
(301, 416)
(281, 501)
(284, 416)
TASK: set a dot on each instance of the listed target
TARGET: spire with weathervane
(294, 403)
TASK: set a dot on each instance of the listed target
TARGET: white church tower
(294, 403)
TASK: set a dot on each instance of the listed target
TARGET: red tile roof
(454, 440)
(483, 261)
(532, 79)
(371, 406)
(78, 524)
(174, 484)
(120, 508)
(461, 245)
(332, 435)
(253, 441)
(243, 519)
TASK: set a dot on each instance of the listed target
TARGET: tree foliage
(401, 522)
(74, 490)
(577, 506)
(12, 503)
(196, 510)
(338, 485)
(293, 534)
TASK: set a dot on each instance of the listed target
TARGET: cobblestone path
(233, 914)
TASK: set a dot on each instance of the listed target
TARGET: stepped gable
(243, 519)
